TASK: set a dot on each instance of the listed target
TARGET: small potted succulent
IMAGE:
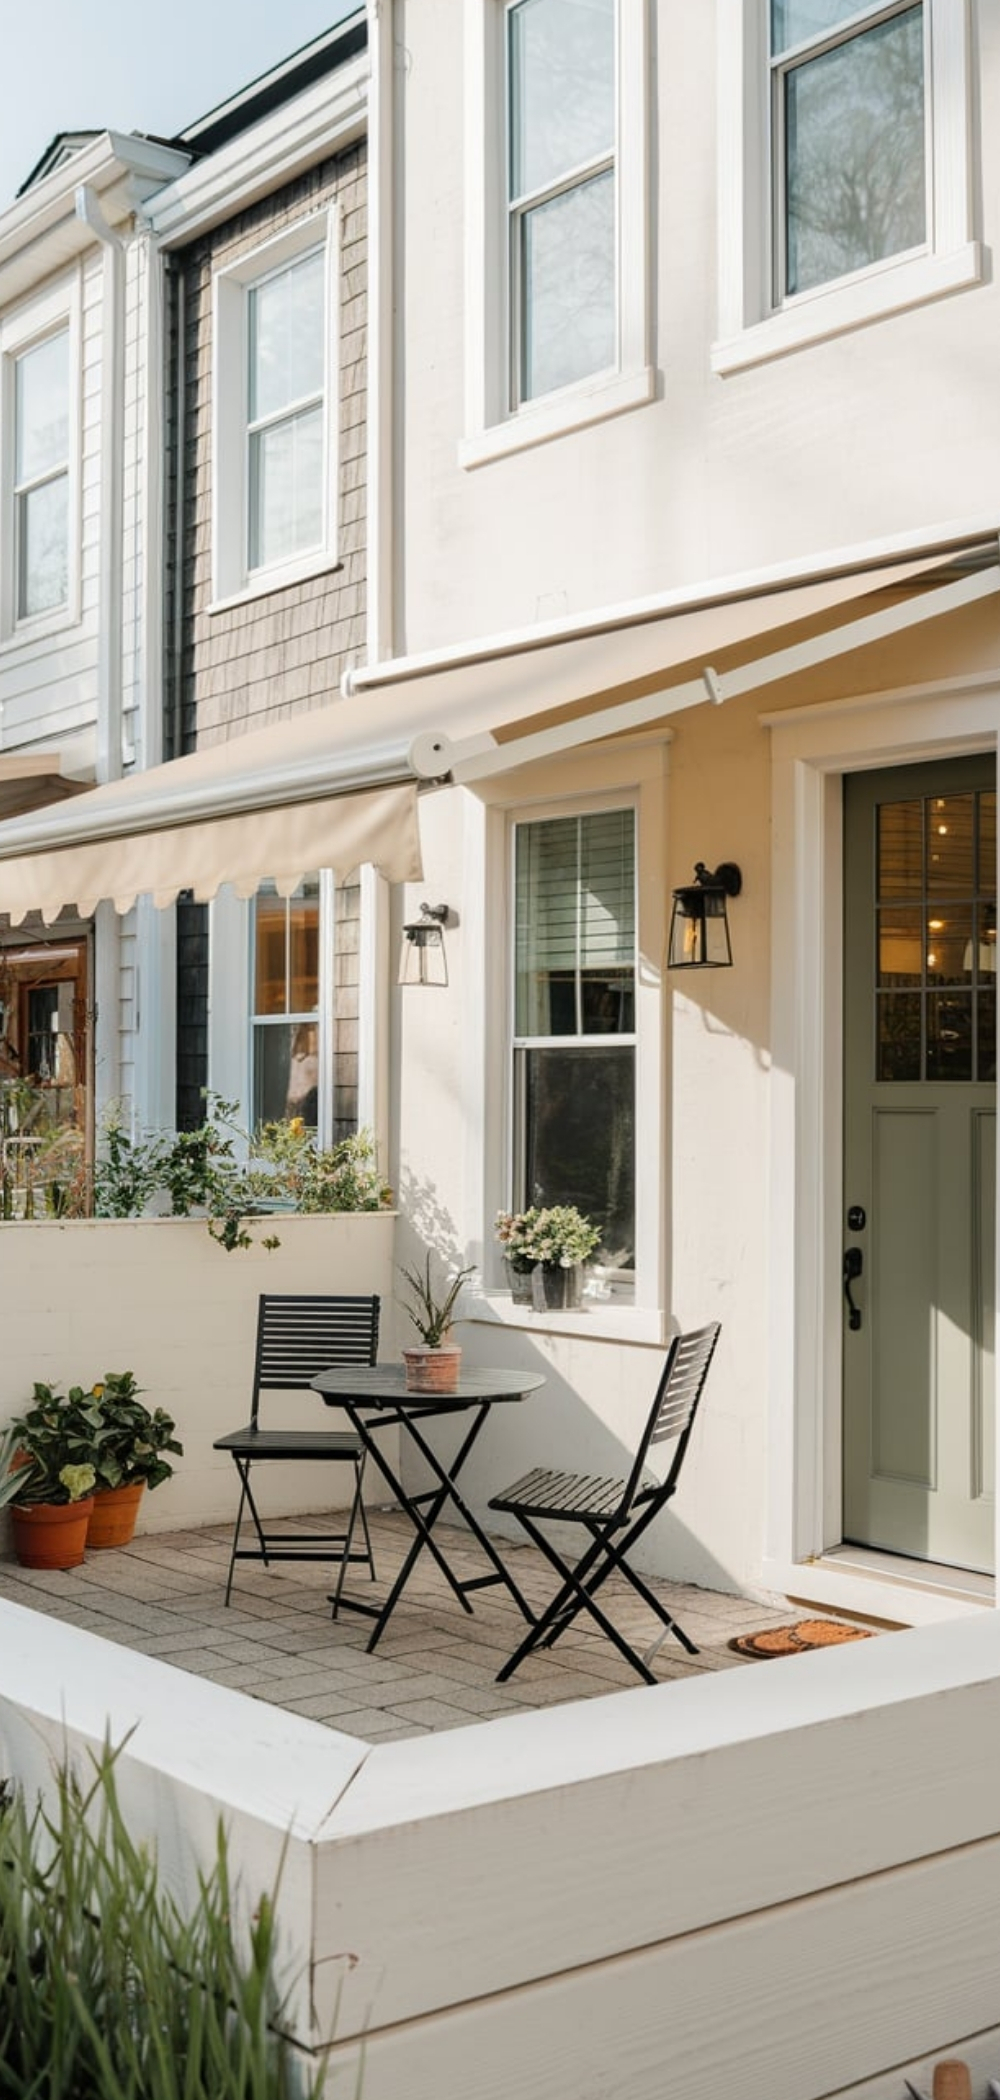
(47, 1475)
(131, 1457)
(433, 1364)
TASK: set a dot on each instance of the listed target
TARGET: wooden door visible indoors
(920, 1161)
(44, 1086)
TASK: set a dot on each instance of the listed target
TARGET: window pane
(286, 489)
(949, 1035)
(901, 849)
(562, 89)
(950, 834)
(575, 925)
(797, 21)
(43, 548)
(285, 1072)
(287, 337)
(854, 153)
(899, 1015)
(286, 950)
(579, 1122)
(42, 409)
(303, 950)
(567, 287)
(988, 845)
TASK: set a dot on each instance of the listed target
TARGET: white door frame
(812, 748)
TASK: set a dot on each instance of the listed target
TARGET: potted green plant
(47, 1476)
(433, 1364)
(551, 1245)
(131, 1456)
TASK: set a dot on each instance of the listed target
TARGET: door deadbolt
(857, 1219)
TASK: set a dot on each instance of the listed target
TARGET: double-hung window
(274, 489)
(557, 280)
(39, 443)
(849, 128)
(845, 158)
(285, 1005)
(561, 175)
(574, 1044)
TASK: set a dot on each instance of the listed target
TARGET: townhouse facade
(666, 469)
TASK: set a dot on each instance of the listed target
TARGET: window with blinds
(574, 1020)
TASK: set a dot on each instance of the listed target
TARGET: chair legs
(272, 1546)
(603, 1557)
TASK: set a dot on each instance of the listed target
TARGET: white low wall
(780, 1882)
(157, 1296)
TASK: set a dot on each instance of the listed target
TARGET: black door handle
(853, 1265)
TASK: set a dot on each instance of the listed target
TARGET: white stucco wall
(882, 430)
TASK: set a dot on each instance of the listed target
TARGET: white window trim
(631, 777)
(231, 1022)
(20, 330)
(492, 428)
(751, 328)
(232, 582)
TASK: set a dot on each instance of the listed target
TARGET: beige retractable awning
(338, 787)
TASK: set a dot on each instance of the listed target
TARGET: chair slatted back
(298, 1337)
(671, 1417)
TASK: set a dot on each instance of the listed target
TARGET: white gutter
(746, 583)
(381, 362)
(110, 596)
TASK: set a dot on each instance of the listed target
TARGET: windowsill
(835, 309)
(541, 421)
(41, 628)
(599, 1320)
(266, 581)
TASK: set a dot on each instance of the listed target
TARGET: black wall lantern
(422, 959)
(699, 927)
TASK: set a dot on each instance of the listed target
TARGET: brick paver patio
(435, 1667)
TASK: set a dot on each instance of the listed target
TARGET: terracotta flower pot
(114, 1514)
(432, 1370)
(51, 1534)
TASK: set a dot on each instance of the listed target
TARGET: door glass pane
(43, 548)
(562, 88)
(988, 845)
(986, 1011)
(901, 849)
(42, 409)
(287, 334)
(901, 948)
(799, 21)
(855, 153)
(567, 271)
(286, 488)
(899, 1046)
(950, 845)
(578, 1109)
(948, 945)
(949, 1035)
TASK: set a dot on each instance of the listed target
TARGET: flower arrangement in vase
(433, 1364)
(545, 1251)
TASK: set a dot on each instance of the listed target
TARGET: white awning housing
(338, 786)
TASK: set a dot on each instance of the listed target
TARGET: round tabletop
(385, 1384)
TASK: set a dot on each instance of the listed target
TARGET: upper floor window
(39, 468)
(557, 281)
(274, 488)
(574, 1076)
(849, 138)
(41, 476)
(561, 192)
(845, 167)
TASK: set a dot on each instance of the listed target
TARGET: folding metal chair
(296, 1339)
(613, 1513)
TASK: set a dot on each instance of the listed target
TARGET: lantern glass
(422, 959)
(699, 930)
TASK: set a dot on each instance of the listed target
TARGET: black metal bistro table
(375, 1399)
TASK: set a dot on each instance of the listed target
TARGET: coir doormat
(797, 1639)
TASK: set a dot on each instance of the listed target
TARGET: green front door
(920, 1160)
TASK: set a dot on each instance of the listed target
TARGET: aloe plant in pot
(432, 1365)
